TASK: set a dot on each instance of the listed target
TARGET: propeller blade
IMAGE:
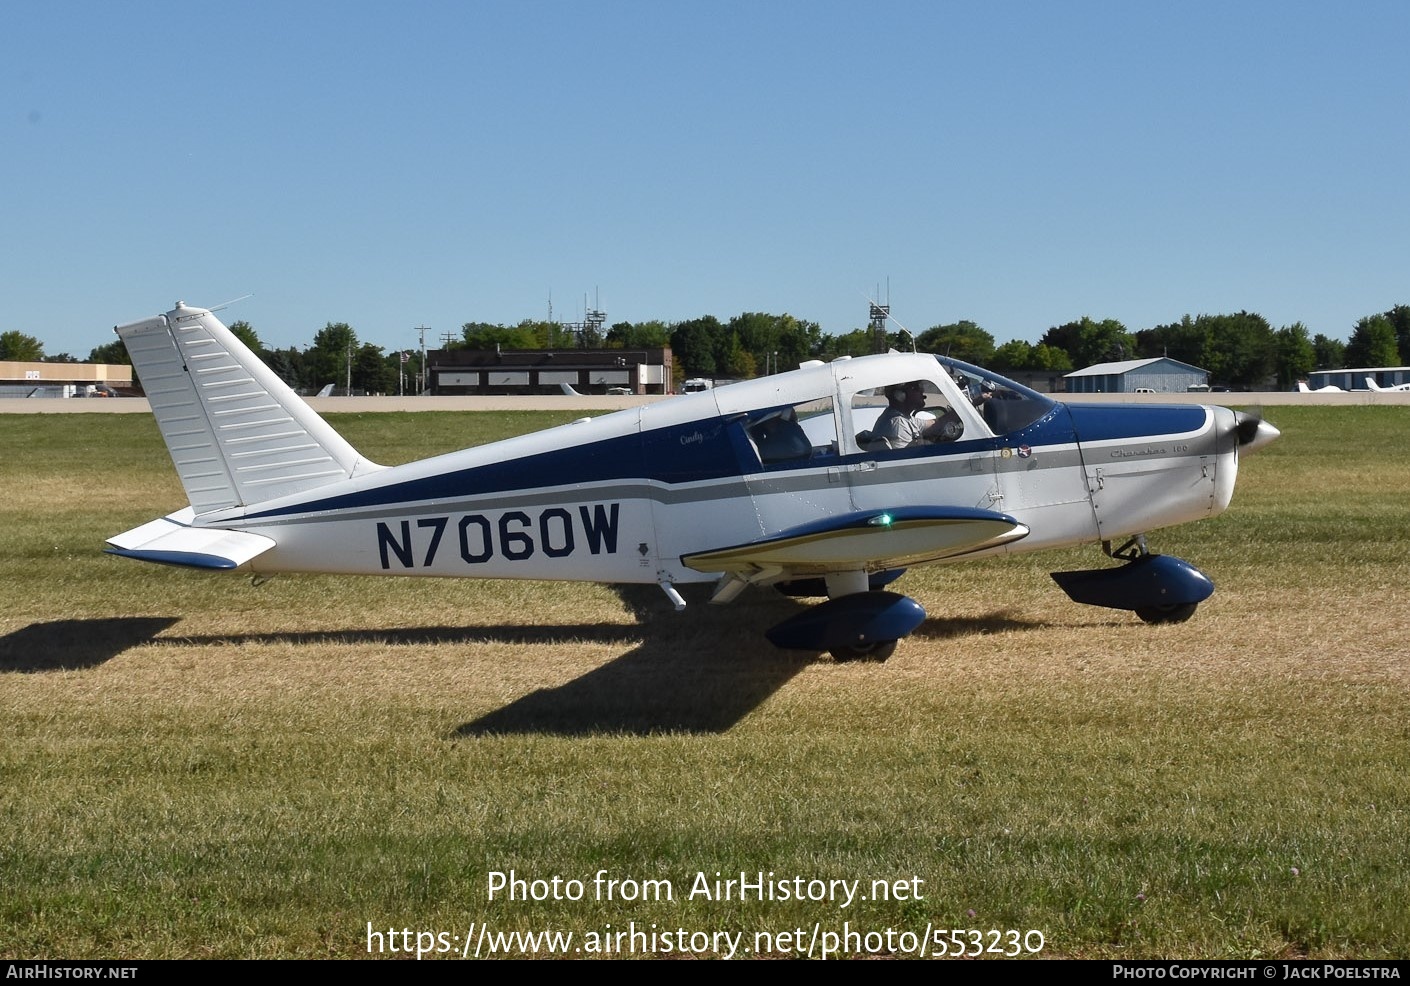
(1253, 431)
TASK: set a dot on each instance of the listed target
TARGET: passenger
(899, 427)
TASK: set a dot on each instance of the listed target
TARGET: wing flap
(171, 540)
(870, 540)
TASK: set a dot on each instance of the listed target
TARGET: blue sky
(1016, 164)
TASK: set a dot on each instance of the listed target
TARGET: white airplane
(1398, 388)
(1330, 388)
(773, 481)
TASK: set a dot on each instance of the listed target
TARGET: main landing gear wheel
(875, 652)
(1175, 613)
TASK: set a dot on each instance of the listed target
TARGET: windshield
(1006, 406)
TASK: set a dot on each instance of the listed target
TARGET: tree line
(1239, 350)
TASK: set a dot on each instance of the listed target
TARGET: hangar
(1355, 379)
(1161, 375)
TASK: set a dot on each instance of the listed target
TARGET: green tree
(1330, 353)
(243, 331)
(1241, 349)
(1185, 340)
(693, 343)
(1052, 359)
(547, 335)
(1088, 341)
(1104, 341)
(854, 343)
(483, 335)
(757, 331)
(20, 348)
(1296, 357)
(773, 340)
(61, 358)
(798, 340)
(638, 335)
(114, 354)
(737, 361)
(962, 340)
(371, 374)
(1400, 317)
(292, 366)
(1064, 337)
(1237, 349)
(1373, 343)
(1014, 355)
(329, 358)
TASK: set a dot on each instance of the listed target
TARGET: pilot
(899, 427)
(980, 393)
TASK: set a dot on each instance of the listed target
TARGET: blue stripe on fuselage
(686, 453)
(1113, 422)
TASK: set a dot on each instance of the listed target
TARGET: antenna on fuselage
(231, 302)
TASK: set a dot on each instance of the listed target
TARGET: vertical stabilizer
(236, 432)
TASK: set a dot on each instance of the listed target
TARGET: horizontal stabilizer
(872, 540)
(171, 540)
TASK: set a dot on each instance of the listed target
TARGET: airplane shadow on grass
(71, 645)
(700, 671)
(959, 627)
(689, 673)
(704, 685)
(676, 672)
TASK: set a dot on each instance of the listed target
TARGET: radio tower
(879, 315)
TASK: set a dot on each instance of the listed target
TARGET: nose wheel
(1175, 613)
(875, 652)
(1157, 588)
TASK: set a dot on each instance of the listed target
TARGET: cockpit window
(1006, 406)
(793, 433)
(904, 414)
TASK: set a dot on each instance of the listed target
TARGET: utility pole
(421, 376)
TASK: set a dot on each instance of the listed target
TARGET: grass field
(193, 766)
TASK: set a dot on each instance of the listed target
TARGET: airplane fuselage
(624, 497)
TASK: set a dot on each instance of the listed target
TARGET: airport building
(64, 379)
(1355, 379)
(549, 371)
(1161, 375)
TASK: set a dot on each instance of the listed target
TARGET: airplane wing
(171, 540)
(872, 540)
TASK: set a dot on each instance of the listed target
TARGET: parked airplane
(1330, 388)
(1398, 388)
(803, 480)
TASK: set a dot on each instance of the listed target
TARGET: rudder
(237, 433)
